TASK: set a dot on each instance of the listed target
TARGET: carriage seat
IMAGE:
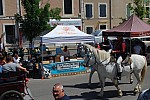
(12, 76)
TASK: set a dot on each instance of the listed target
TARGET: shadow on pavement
(85, 85)
(93, 95)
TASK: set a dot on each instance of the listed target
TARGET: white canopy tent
(66, 34)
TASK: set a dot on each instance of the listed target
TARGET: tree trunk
(30, 46)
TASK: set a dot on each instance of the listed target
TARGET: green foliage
(54, 13)
(139, 9)
(35, 19)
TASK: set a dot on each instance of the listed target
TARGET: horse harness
(129, 62)
(97, 63)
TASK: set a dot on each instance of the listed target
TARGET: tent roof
(66, 34)
(133, 27)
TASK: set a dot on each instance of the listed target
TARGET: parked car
(98, 36)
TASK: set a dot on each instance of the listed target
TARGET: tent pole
(42, 48)
(130, 45)
(42, 51)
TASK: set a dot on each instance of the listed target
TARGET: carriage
(13, 85)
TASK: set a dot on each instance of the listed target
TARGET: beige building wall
(60, 4)
(10, 8)
(119, 11)
(95, 21)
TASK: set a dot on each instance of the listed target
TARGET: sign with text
(67, 65)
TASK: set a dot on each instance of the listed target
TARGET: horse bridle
(96, 61)
(87, 63)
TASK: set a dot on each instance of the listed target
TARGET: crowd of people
(11, 63)
(119, 48)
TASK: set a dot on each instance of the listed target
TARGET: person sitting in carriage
(119, 50)
(11, 66)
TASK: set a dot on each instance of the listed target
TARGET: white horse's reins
(98, 62)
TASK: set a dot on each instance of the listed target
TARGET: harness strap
(101, 61)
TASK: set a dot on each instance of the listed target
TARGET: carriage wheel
(11, 95)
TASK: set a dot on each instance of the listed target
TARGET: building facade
(106, 14)
(103, 14)
(8, 32)
(70, 12)
(87, 15)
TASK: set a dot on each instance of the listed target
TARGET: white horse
(94, 69)
(108, 69)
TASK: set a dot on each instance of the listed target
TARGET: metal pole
(110, 13)
(82, 14)
(42, 47)
(19, 8)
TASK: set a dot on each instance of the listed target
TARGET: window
(103, 27)
(10, 34)
(89, 30)
(146, 1)
(102, 10)
(1, 7)
(148, 10)
(89, 9)
(128, 10)
(67, 6)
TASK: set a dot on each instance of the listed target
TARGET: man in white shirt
(16, 58)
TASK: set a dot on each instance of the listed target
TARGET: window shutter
(148, 10)
(88, 10)
(89, 30)
(128, 10)
(68, 6)
(102, 10)
(145, 1)
(1, 7)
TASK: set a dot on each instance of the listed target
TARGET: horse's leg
(90, 77)
(115, 81)
(137, 88)
(102, 81)
(131, 78)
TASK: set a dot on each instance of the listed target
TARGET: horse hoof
(120, 94)
(131, 81)
(136, 91)
(89, 86)
(100, 95)
(99, 85)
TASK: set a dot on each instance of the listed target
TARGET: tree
(35, 19)
(139, 8)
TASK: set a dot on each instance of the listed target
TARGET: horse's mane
(100, 54)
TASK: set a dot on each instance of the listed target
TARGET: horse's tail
(143, 72)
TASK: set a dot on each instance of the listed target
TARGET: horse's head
(89, 59)
(96, 55)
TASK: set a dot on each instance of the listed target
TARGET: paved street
(76, 87)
